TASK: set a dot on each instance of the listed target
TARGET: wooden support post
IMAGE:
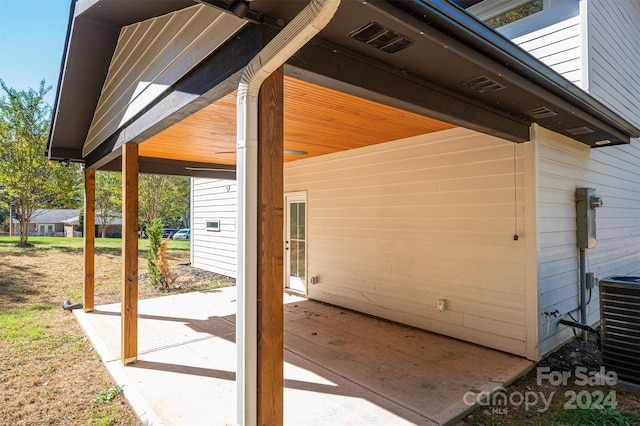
(129, 253)
(270, 380)
(89, 235)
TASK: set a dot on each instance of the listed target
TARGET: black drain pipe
(584, 328)
(67, 306)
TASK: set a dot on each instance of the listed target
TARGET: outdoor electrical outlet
(591, 280)
(441, 305)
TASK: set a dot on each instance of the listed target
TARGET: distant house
(47, 222)
(72, 227)
(62, 223)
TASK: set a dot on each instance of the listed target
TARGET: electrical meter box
(586, 204)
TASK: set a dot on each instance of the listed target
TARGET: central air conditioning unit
(620, 326)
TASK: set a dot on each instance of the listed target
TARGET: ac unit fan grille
(620, 322)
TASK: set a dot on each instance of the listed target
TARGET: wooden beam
(161, 166)
(129, 253)
(270, 251)
(328, 65)
(89, 235)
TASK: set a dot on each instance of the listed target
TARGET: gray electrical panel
(586, 204)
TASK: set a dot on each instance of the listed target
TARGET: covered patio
(341, 367)
(234, 90)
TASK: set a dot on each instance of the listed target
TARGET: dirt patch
(190, 278)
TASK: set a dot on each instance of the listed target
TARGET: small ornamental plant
(154, 232)
(166, 278)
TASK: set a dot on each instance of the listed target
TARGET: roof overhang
(454, 68)
(451, 51)
(92, 36)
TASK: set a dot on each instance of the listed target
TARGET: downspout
(309, 22)
(583, 290)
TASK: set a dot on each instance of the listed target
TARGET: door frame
(295, 196)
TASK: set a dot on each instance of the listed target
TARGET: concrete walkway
(341, 367)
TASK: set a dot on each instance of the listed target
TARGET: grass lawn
(75, 244)
(49, 372)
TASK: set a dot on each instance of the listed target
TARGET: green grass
(597, 417)
(24, 324)
(76, 244)
(105, 396)
(26, 330)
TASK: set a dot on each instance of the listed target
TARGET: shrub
(166, 278)
(154, 232)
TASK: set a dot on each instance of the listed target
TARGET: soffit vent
(381, 38)
(579, 131)
(541, 112)
(483, 84)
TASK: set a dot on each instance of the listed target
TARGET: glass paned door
(296, 243)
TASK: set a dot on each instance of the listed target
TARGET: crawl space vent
(381, 38)
(541, 112)
(483, 84)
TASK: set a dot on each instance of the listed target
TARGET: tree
(165, 198)
(27, 178)
(108, 199)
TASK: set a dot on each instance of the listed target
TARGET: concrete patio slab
(341, 367)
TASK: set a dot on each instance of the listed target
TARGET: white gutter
(309, 22)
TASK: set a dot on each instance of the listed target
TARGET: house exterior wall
(595, 44)
(598, 50)
(394, 227)
(210, 250)
(614, 172)
(614, 55)
(555, 37)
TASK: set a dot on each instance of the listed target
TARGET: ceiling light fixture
(209, 169)
(286, 152)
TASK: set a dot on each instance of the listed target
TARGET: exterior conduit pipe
(309, 22)
(583, 291)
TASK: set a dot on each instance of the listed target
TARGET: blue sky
(32, 34)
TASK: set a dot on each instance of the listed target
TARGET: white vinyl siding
(151, 56)
(214, 200)
(559, 46)
(394, 227)
(614, 38)
(614, 172)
